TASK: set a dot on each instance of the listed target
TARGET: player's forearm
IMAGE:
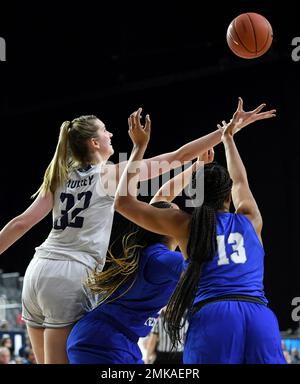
(163, 163)
(151, 345)
(193, 149)
(127, 187)
(235, 164)
(174, 187)
(13, 231)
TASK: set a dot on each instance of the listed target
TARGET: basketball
(249, 35)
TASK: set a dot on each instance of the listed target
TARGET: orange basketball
(249, 35)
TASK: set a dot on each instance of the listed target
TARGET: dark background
(171, 58)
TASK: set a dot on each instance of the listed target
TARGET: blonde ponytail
(57, 171)
(105, 283)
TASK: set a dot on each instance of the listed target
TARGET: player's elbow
(121, 204)
(182, 154)
(126, 206)
(21, 224)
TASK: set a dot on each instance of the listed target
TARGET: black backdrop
(171, 58)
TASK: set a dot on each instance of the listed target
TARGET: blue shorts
(97, 341)
(233, 332)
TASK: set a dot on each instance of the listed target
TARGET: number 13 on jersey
(238, 256)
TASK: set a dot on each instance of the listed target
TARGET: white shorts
(54, 295)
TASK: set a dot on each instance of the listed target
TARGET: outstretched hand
(138, 133)
(241, 119)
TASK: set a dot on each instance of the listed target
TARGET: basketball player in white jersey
(53, 296)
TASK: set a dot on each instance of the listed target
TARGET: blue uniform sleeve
(166, 266)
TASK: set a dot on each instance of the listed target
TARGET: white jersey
(82, 220)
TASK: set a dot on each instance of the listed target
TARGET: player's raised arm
(242, 197)
(186, 152)
(164, 221)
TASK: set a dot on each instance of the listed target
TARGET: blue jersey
(137, 310)
(238, 266)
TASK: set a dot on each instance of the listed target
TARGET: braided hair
(202, 245)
